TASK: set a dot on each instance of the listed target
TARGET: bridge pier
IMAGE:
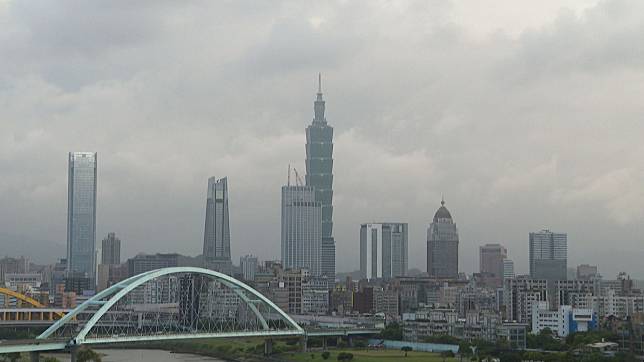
(349, 341)
(303, 343)
(324, 345)
(34, 356)
(73, 354)
(268, 347)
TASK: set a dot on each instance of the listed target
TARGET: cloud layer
(525, 116)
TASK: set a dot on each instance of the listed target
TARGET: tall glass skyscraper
(81, 216)
(442, 245)
(301, 229)
(319, 174)
(216, 238)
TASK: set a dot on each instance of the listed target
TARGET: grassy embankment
(361, 355)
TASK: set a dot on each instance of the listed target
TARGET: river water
(141, 355)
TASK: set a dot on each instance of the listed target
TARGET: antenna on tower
(298, 179)
(288, 182)
(319, 82)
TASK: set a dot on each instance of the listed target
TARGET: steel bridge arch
(34, 303)
(121, 289)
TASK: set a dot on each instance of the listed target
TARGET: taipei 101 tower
(319, 174)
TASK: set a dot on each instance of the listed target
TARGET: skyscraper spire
(318, 107)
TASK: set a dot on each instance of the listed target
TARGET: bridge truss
(173, 303)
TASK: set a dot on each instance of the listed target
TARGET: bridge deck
(31, 345)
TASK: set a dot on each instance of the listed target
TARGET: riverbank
(362, 355)
(232, 350)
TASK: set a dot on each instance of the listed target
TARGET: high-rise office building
(319, 174)
(383, 250)
(248, 265)
(548, 255)
(216, 236)
(508, 269)
(491, 258)
(111, 250)
(301, 229)
(442, 245)
(81, 216)
(586, 272)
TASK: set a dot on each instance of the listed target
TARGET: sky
(524, 114)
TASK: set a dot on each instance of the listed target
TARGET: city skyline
(495, 134)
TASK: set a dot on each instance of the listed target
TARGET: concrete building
(587, 272)
(319, 176)
(442, 245)
(564, 321)
(81, 216)
(248, 266)
(383, 250)
(111, 250)
(301, 229)
(519, 296)
(491, 263)
(216, 238)
(508, 269)
(144, 262)
(110, 274)
(548, 255)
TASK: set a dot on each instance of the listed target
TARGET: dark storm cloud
(520, 127)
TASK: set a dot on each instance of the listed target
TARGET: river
(141, 355)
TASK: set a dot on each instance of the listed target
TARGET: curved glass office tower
(216, 238)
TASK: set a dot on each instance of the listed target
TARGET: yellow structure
(21, 298)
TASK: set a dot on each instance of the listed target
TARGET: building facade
(301, 229)
(563, 321)
(144, 262)
(319, 175)
(81, 215)
(586, 272)
(491, 257)
(216, 238)
(548, 255)
(508, 269)
(248, 266)
(111, 250)
(383, 250)
(442, 245)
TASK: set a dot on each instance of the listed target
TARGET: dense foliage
(392, 331)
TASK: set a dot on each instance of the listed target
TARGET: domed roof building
(442, 245)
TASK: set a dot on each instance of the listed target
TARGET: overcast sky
(524, 114)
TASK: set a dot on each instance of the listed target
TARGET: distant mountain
(39, 251)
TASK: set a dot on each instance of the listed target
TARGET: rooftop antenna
(442, 199)
(288, 182)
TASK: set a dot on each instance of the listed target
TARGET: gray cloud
(519, 129)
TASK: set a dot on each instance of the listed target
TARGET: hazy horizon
(524, 115)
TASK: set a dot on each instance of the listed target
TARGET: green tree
(392, 331)
(86, 355)
(13, 357)
(406, 349)
(325, 355)
(345, 356)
